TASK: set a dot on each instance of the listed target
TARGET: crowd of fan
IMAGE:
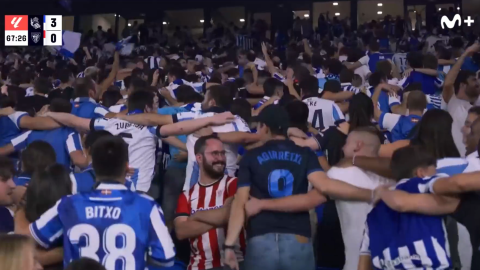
(289, 155)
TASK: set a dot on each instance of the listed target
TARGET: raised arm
(448, 86)
(111, 76)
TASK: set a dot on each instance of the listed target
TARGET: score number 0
(52, 28)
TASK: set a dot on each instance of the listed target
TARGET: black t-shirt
(468, 214)
(277, 169)
(32, 104)
(332, 143)
(66, 93)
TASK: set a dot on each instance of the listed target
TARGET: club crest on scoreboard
(34, 22)
(36, 37)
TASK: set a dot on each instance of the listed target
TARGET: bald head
(363, 141)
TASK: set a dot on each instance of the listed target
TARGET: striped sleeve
(365, 246)
(20, 142)
(16, 117)
(48, 228)
(162, 249)
(74, 142)
(100, 111)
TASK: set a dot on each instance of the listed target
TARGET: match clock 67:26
(16, 38)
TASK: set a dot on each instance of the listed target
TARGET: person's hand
(253, 207)
(231, 259)
(181, 156)
(407, 73)
(473, 49)
(264, 48)
(156, 74)
(222, 118)
(164, 92)
(377, 194)
(206, 131)
(130, 171)
(44, 110)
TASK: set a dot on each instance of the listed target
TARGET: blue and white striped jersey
(263, 101)
(85, 180)
(64, 141)
(453, 166)
(399, 125)
(111, 225)
(322, 113)
(87, 108)
(406, 240)
(350, 88)
(142, 144)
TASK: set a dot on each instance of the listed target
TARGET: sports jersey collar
(214, 109)
(85, 99)
(135, 112)
(111, 186)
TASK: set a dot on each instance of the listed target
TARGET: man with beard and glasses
(460, 91)
(203, 211)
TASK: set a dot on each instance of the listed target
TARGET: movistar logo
(457, 20)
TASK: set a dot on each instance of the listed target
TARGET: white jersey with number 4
(193, 171)
(142, 143)
(322, 113)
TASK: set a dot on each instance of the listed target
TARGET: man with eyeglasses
(203, 211)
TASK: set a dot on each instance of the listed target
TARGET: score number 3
(112, 252)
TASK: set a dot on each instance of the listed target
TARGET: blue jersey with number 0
(111, 225)
(406, 240)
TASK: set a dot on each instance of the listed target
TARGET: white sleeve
(240, 124)
(337, 113)
(101, 110)
(388, 120)
(16, 116)
(74, 183)
(99, 124)
(365, 246)
(184, 116)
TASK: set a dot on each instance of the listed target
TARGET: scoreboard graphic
(33, 30)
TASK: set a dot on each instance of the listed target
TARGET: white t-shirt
(193, 171)
(142, 144)
(458, 109)
(353, 215)
(322, 113)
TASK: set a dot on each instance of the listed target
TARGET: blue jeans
(277, 251)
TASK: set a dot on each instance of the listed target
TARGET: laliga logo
(456, 19)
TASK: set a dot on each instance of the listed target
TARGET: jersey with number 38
(112, 225)
(322, 113)
(142, 142)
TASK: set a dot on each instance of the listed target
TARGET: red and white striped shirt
(206, 251)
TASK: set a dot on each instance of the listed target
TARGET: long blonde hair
(12, 251)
